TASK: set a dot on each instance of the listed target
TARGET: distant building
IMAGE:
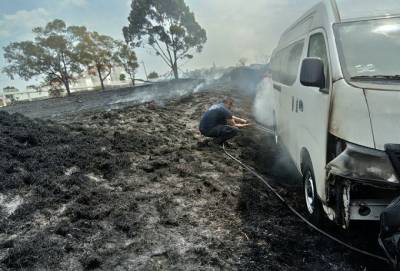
(10, 89)
(13, 95)
(90, 80)
(86, 81)
(2, 99)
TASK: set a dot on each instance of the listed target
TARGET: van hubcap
(309, 190)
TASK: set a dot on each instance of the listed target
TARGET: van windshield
(369, 50)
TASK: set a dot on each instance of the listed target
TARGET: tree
(126, 57)
(51, 55)
(166, 26)
(153, 75)
(96, 50)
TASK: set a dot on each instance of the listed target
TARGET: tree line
(59, 53)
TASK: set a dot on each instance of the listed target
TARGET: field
(134, 186)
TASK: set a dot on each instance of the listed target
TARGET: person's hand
(240, 121)
(243, 125)
(243, 121)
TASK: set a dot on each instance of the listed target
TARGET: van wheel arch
(305, 160)
(312, 201)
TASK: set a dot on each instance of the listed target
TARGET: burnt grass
(139, 189)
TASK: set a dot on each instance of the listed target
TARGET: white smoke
(265, 103)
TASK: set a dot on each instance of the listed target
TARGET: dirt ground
(138, 188)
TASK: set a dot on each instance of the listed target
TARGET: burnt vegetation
(129, 188)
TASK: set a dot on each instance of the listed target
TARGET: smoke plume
(265, 102)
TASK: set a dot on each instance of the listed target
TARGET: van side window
(285, 63)
(293, 62)
(317, 48)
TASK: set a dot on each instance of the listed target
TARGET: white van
(336, 72)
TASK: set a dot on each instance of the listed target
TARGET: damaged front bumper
(364, 164)
(362, 183)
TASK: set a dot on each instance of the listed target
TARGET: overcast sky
(235, 28)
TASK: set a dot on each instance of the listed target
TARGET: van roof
(308, 20)
(350, 10)
(336, 11)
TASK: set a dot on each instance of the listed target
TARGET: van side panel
(350, 115)
(312, 123)
(309, 129)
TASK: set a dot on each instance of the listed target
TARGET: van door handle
(301, 106)
(292, 103)
(278, 88)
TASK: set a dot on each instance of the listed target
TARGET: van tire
(312, 202)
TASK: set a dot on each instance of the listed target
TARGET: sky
(235, 28)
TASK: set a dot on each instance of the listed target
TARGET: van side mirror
(312, 73)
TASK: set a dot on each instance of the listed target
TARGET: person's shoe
(217, 141)
(213, 144)
(204, 143)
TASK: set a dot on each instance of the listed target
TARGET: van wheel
(312, 202)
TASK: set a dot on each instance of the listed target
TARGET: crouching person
(219, 122)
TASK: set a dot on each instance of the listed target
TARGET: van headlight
(363, 164)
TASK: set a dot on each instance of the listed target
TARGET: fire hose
(294, 211)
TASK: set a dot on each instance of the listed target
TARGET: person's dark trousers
(221, 133)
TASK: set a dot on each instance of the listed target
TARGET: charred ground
(138, 189)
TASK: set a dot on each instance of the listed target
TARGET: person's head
(228, 102)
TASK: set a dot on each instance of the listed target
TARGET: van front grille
(393, 150)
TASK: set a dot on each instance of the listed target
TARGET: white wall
(86, 82)
(90, 82)
(2, 98)
(27, 95)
